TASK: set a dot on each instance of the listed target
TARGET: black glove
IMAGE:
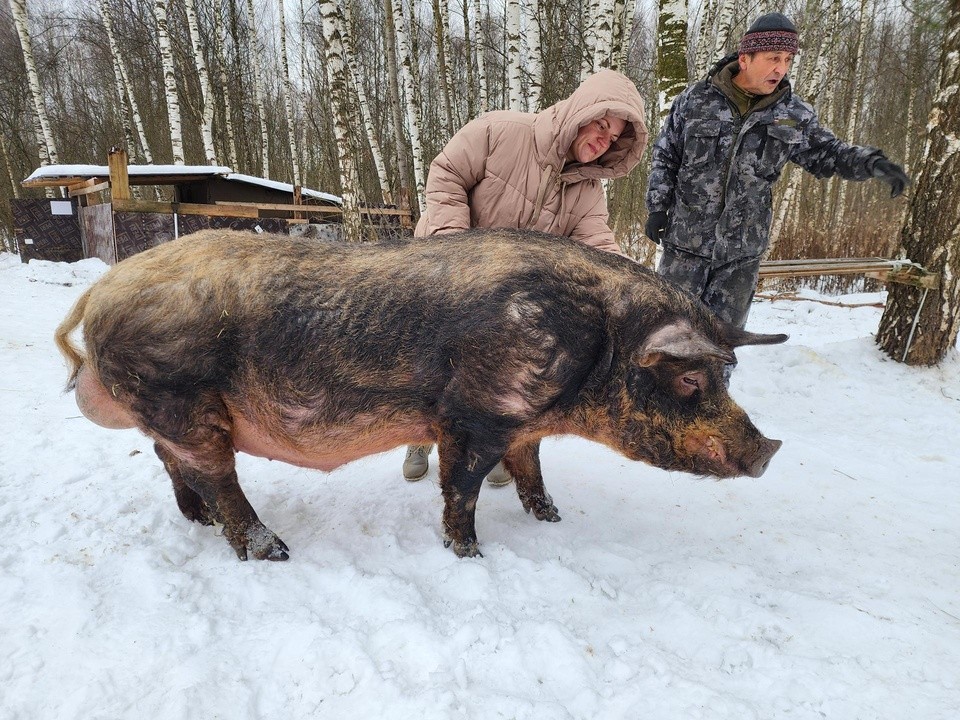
(656, 226)
(891, 173)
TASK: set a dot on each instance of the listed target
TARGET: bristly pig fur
(319, 353)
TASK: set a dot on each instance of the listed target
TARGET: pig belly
(325, 450)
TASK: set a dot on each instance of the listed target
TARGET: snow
(829, 588)
(58, 171)
(284, 187)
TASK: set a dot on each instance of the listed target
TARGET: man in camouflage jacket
(722, 147)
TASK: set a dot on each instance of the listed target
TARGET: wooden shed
(99, 217)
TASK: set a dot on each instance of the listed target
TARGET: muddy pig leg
(190, 503)
(462, 470)
(196, 447)
(523, 463)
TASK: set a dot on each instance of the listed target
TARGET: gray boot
(498, 477)
(416, 464)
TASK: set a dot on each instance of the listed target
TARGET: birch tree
(441, 30)
(169, 82)
(413, 111)
(288, 95)
(931, 233)
(397, 109)
(368, 124)
(589, 19)
(337, 73)
(514, 62)
(125, 88)
(260, 90)
(46, 147)
(724, 23)
(535, 57)
(218, 43)
(603, 38)
(704, 44)
(671, 53)
(479, 45)
(206, 90)
(623, 11)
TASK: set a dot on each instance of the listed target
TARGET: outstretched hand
(891, 173)
(656, 226)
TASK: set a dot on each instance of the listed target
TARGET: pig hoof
(262, 543)
(467, 549)
(542, 507)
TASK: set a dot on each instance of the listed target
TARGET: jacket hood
(605, 92)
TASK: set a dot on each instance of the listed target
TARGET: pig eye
(690, 380)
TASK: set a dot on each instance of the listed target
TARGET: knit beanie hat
(772, 32)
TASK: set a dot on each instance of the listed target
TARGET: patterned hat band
(770, 41)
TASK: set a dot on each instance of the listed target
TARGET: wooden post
(119, 180)
(297, 200)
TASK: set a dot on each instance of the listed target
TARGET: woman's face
(595, 138)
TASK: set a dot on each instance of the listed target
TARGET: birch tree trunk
(480, 45)
(441, 32)
(288, 96)
(704, 46)
(126, 88)
(260, 91)
(206, 90)
(357, 79)
(603, 43)
(857, 97)
(514, 63)
(724, 22)
(218, 37)
(534, 56)
(622, 29)
(14, 185)
(671, 53)
(589, 20)
(469, 62)
(46, 147)
(413, 112)
(337, 73)
(931, 233)
(396, 105)
(169, 82)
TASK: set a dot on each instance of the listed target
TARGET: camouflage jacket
(712, 170)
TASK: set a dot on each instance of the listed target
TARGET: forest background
(355, 97)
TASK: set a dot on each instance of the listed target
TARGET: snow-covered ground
(830, 588)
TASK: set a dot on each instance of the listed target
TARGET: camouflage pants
(726, 288)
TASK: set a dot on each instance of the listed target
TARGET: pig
(485, 342)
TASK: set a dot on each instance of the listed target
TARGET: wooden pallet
(898, 271)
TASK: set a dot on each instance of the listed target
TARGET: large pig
(485, 342)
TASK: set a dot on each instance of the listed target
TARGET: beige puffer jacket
(506, 169)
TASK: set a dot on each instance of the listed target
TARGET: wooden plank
(119, 181)
(185, 208)
(76, 191)
(320, 209)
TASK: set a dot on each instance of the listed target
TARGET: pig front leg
(462, 470)
(523, 463)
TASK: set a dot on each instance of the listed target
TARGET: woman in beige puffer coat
(515, 170)
(536, 171)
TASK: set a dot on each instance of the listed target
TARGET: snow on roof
(58, 171)
(134, 171)
(285, 187)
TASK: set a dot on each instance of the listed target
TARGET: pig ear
(737, 337)
(678, 339)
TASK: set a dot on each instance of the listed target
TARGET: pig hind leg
(201, 465)
(523, 463)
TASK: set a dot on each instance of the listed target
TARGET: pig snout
(768, 448)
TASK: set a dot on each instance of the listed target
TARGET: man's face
(761, 72)
(595, 138)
